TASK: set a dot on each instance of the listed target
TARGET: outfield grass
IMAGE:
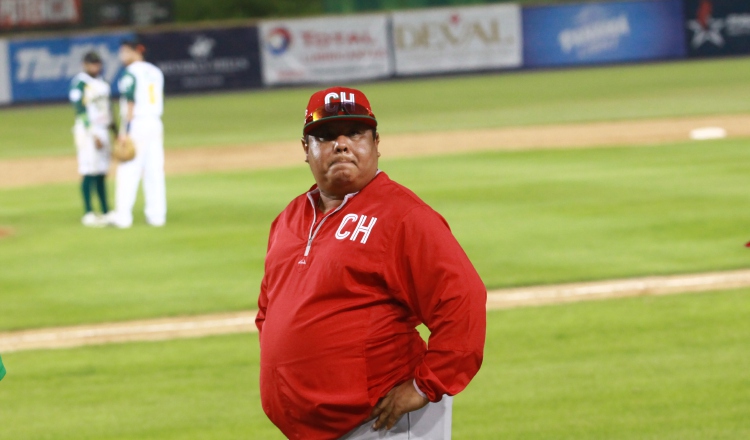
(459, 103)
(640, 368)
(524, 218)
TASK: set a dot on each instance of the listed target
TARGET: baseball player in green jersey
(90, 96)
(2, 369)
(141, 104)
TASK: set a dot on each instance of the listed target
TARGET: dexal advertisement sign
(460, 39)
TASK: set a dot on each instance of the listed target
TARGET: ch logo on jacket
(345, 228)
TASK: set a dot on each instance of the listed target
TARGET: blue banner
(595, 33)
(717, 27)
(41, 70)
(209, 59)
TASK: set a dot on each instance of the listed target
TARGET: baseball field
(545, 177)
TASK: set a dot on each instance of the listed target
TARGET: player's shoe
(110, 219)
(91, 220)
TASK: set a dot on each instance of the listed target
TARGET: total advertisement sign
(603, 32)
(446, 40)
(717, 27)
(42, 69)
(207, 59)
(325, 50)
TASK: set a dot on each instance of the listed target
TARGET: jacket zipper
(311, 236)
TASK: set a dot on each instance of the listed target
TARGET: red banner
(33, 13)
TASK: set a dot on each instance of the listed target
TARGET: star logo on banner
(711, 32)
(705, 27)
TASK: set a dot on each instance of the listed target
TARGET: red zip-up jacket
(340, 300)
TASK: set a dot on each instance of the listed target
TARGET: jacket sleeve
(77, 97)
(429, 271)
(260, 317)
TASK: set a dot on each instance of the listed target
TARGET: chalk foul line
(244, 322)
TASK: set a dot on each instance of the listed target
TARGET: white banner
(325, 50)
(457, 39)
(4, 73)
(21, 13)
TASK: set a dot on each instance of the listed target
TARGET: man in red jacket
(353, 266)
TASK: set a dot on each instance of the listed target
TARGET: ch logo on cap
(342, 100)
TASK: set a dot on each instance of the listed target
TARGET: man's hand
(98, 143)
(399, 401)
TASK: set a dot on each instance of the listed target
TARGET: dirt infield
(38, 171)
(243, 322)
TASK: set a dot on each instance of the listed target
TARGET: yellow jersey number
(152, 93)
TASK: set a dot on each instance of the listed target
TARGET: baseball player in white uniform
(90, 96)
(141, 105)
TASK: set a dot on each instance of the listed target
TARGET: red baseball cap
(338, 103)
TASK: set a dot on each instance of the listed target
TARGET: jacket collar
(314, 190)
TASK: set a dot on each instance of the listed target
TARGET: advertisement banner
(4, 73)
(717, 27)
(42, 69)
(207, 59)
(325, 50)
(603, 32)
(34, 13)
(446, 40)
(101, 13)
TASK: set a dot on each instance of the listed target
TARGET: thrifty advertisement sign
(447, 40)
(325, 50)
(41, 69)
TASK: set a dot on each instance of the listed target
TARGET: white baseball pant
(90, 160)
(433, 422)
(148, 137)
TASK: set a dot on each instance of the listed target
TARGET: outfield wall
(342, 49)
(4, 77)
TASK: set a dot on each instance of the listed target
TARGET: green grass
(458, 103)
(197, 389)
(641, 368)
(523, 217)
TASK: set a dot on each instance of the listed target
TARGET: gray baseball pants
(433, 422)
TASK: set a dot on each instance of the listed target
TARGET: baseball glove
(124, 151)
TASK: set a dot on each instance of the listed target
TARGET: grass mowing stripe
(640, 368)
(190, 389)
(524, 218)
(419, 105)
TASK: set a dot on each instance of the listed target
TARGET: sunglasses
(334, 109)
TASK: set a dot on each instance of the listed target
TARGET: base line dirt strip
(244, 322)
(638, 133)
